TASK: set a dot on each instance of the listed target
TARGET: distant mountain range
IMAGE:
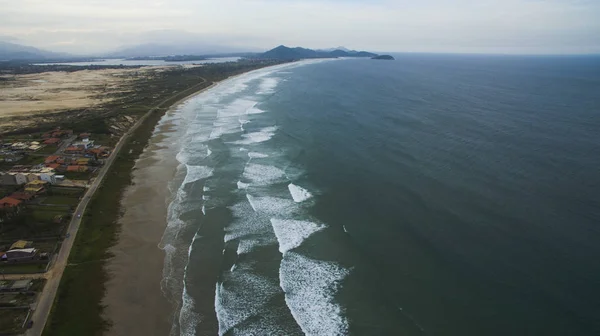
(160, 49)
(287, 53)
(13, 51)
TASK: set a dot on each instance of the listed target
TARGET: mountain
(333, 49)
(165, 49)
(13, 51)
(384, 57)
(286, 53)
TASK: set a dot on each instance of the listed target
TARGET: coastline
(134, 301)
(86, 274)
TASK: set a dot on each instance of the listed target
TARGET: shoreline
(86, 274)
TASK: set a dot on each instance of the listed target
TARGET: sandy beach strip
(135, 304)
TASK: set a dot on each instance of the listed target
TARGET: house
(52, 141)
(77, 169)
(57, 133)
(21, 285)
(47, 174)
(85, 143)
(32, 177)
(22, 196)
(36, 187)
(74, 150)
(15, 286)
(19, 146)
(84, 136)
(21, 244)
(82, 161)
(53, 165)
(51, 159)
(20, 255)
(21, 178)
(9, 202)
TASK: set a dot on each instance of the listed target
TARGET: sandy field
(44, 93)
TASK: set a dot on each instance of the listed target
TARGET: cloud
(551, 26)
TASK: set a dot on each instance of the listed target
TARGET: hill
(13, 51)
(287, 53)
(384, 57)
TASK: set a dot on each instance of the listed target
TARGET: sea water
(435, 194)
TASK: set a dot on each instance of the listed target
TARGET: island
(286, 53)
(384, 57)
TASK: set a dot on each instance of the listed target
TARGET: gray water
(436, 194)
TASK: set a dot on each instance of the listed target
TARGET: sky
(463, 26)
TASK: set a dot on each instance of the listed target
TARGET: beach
(135, 300)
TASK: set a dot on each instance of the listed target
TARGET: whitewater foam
(242, 295)
(298, 193)
(292, 233)
(188, 318)
(262, 174)
(195, 173)
(271, 206)
(268, 85)
(255, 155)
(242, 185)
(310, 287)
(257, 137)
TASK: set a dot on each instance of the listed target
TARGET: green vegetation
(48, 149)
(78, 175)
(66, 191)
(46, 214)
(60, 200)
(85, 276)
(23, 268)
(11, 321)
(34, 221)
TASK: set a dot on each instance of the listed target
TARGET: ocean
(431, 195)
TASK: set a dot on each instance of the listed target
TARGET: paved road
(53, 276)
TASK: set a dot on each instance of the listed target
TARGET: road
(53, 276)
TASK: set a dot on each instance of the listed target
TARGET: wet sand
(135, 303)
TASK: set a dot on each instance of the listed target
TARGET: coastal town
(43, 177)
(62, 173)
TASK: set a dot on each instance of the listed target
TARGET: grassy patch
(30, 160)
(22, 268)
(46, 215)
(11, 321)
(75, 293)
(60, 200)
(78, 175)
(48, 149)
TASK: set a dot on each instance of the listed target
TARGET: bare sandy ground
(56, 91)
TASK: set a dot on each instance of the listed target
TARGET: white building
(20, 178)
(48, 177)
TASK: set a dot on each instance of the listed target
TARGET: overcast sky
(503, 26)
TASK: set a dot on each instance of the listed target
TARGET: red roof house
(79, 169)
(9, 202)
(51, 141)
(51, 159)
(22, 196)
